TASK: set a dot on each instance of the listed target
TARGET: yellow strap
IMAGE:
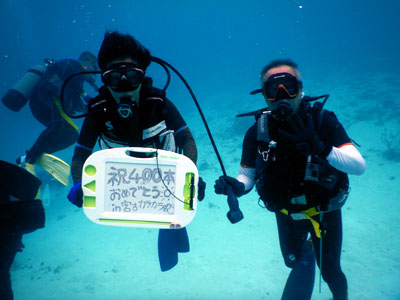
(64, 115)
(308, 214)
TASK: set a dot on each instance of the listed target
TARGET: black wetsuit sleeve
(183, 137)
(333, 133)
(173, 118)
(86, 142)
(249, 148)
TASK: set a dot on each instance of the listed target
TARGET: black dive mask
(280, 86)
(123, 77)
(125, 107)
(283, 111)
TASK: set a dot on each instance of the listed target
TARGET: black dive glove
(201, 189)
(304, 135)
(223, 181)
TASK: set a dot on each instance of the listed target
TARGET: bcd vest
(146, 127)
(285, 179)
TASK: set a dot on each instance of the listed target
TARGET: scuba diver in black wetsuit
(41, 86)
(298, 156)
(129, 111)
(19, 214)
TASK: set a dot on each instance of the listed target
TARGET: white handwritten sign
(139, 188)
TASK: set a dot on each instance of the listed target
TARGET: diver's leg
(298, 255)
(300, 283)
(331, 251)
(58, 135)
(291, 238)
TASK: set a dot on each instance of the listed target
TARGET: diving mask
(123, 77)
(280, 86)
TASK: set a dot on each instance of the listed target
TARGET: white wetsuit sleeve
(347, 159)
(247, 176)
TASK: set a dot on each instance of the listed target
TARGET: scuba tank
(19, 94)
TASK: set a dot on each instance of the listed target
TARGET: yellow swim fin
(56, 167)
(30, 168)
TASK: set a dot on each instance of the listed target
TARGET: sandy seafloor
(72, 258)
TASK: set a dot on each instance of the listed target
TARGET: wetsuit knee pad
(290, 260)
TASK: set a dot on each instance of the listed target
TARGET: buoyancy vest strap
(64, 115)
(262, 128)
(306, 214)
(154, 130)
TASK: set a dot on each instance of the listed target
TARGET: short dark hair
(117, 45)
(277, 63)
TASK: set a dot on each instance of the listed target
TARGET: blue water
(349, 49)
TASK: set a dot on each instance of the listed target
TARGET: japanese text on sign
(139, 188)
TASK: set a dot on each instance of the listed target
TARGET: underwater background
(348, 49)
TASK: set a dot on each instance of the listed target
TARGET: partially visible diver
(20, 214)
(41, 86)
(298, 156)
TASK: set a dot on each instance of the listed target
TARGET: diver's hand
(304, 135)
(201, 189)
(75, 195)
(223, 181)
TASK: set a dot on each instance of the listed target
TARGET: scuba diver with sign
(298, 156)
(130, 112)
(41, 86)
